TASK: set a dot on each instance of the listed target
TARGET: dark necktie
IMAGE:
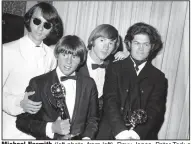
(95, 66)
(137, 67)
(137, 63)
(63, 78)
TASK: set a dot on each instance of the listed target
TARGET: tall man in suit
(133, 84)
(81, 97)
(102, 42)
(24, 59)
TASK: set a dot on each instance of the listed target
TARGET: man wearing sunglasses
(26, 58)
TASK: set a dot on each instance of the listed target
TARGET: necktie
(95, 66)
(63, 78)
(137, 63)
(137, 67)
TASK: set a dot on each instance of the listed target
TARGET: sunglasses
(46, 25)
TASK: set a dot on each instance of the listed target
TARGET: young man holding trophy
(134, 90)
(69, 100)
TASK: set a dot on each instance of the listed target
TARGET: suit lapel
(145, 72)
(53, 78)
(84, 70)
(125, 77)
(107, 63)
(78, 95)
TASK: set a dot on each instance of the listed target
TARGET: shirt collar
(32, 43)
(90, 60)
(140, 66)
(60, 74)
(28, 47)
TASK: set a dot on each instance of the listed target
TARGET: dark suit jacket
(85, 115)
(84, 71)
(120, 94)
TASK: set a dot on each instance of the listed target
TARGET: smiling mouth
(67, 67)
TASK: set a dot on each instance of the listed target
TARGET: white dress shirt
(141, 66)
(22, 60)
(70, 87)
(98, 75)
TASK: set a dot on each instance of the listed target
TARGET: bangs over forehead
(68, 49)
(71, 45)
(106, 31)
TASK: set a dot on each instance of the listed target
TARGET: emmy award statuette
(138, 116)
(59, 93)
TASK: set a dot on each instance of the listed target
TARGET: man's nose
(41, 27)
(106, 45)
(69, 59)
(141, 46)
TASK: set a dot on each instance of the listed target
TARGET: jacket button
(122, 108)
(127, 90)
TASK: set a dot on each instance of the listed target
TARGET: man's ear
(152, 47)
(129, 43)
(93, 43)
(56, 56)
(129, 46)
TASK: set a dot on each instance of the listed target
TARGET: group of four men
(72, 93)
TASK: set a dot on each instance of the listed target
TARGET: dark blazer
(83, 70)
(123, 89)
(85, 115)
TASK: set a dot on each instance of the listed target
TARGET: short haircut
(71, 44)
(51, 15)
(143, 28)
(106, 31)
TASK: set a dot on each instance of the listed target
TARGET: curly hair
(143, 28)
(106, 31)
(51, 15)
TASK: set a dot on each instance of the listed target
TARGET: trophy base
(67, 137)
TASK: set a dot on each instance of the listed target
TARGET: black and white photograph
(95, 70)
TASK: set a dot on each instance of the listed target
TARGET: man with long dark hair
(134, 90)
(25, 58)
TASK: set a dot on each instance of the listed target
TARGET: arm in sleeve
(32, 123)
(11, 102)
(155, 108)
(112, 101)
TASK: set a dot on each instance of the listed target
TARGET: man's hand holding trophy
(59, 93)
(137, 117)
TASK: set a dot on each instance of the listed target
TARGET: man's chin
(103, 57)
(67, 73)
